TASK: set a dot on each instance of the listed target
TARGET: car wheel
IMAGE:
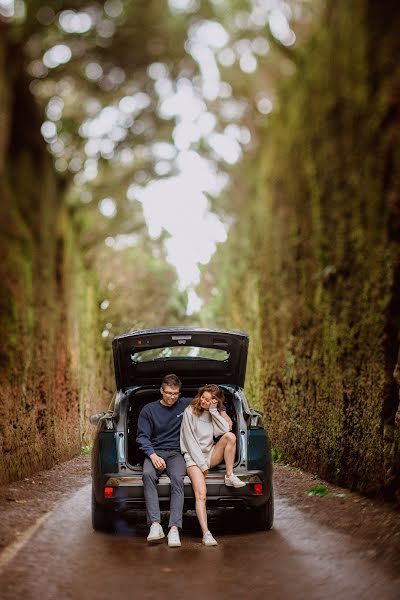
(102, 519)
(263, 516)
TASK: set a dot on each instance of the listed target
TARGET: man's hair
(172, 380)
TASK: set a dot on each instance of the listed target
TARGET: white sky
(179, 206)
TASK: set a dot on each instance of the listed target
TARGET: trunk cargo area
(138, 398)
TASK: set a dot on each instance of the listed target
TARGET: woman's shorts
(190, 462)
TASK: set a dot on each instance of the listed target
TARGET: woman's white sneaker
(234, 481)
(156, 534)
(209, 540)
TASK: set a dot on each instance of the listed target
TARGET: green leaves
(318, 490)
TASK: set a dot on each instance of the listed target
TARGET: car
(198, 356)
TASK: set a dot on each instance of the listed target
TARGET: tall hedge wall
(50, 355)
(312, 267)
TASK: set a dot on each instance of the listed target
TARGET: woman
(203, 420)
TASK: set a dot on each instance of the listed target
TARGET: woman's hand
(213, 403)
(207, 401)
(205, 472)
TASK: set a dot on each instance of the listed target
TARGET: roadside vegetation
(305, 94)
(311, 266)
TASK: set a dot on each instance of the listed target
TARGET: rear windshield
(189, 352)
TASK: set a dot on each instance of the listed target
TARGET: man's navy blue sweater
(159, 426)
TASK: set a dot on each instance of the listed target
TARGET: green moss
(317, 240)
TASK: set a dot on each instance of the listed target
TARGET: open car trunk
(142, 358)
(137, 400)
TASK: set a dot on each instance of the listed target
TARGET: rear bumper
(128, 492)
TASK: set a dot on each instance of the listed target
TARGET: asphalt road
(66, 559)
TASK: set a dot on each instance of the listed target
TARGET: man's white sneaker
(174, 540)
(209, 540)
(156, 534)
(234, 481)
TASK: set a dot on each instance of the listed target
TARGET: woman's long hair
(214, 390)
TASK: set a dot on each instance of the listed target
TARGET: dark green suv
(197, 356)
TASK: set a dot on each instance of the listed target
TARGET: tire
(102, 519)
(262, 517)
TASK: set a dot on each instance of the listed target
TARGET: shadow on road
(221, 521)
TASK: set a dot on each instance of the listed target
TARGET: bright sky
(179, 206)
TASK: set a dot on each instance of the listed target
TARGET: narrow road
(66, 559)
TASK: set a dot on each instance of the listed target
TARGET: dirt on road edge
(372, 524)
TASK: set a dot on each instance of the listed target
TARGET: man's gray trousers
(176, 471)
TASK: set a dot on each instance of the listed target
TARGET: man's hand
(157, 461)
(227, 419)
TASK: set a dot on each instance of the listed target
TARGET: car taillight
(108, 492)
(258, 489)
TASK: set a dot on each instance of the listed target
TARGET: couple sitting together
(177, 436)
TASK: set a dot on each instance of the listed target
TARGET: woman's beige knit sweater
(197, 435)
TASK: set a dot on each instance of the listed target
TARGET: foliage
(105, 71)
(138, 288)
(311, 267)
(111, 78)
(51, 358)
(100, 74)
(276, 455)
(318, 490)
(87, 449)
(318, 245)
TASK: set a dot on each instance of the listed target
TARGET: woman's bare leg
(200, 491)
(225, 449)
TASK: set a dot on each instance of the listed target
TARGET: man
(158, 436)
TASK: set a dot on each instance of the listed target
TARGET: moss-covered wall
(324, 248)
(51, 357)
